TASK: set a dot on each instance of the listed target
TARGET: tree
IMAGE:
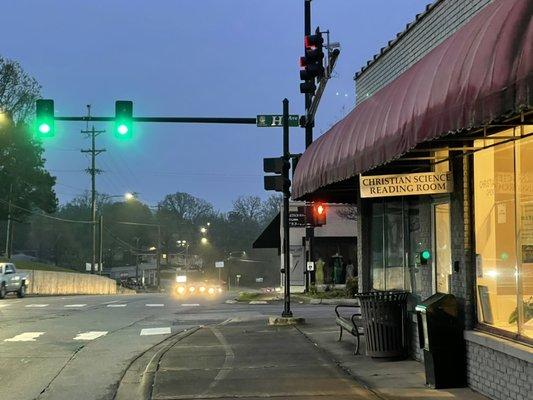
(270, 208)
(18, 91)
(248, 207)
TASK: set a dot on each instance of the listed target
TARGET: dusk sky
(234, 58)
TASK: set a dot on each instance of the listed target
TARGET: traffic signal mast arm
(310, 116)
(192, 120)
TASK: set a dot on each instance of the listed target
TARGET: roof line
(391, 43)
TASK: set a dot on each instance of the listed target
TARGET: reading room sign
(406, 184)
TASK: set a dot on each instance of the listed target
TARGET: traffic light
(425, 255)
(311, 65)
(275, 166)
(316, 214)
(124, 119)
(44, 121)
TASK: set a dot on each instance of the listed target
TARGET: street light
(204, 240)
(203, 229)
(129, 196)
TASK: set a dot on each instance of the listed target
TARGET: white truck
(11, 281)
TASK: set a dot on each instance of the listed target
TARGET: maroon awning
(482, 72)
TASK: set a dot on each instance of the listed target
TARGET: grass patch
(34, 265)
(247, 296)
(330, 294)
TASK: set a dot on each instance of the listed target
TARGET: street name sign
(276, 121)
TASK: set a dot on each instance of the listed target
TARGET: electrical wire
(45, 215)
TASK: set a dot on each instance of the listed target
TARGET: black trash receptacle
(440, 334)
(384, 323)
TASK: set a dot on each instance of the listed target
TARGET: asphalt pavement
(156, 346)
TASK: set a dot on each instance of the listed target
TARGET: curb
(335, 302)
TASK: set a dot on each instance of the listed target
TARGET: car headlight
(192, 289)
(211, 290)
(219, 290)
(181, 290)
(202, 289)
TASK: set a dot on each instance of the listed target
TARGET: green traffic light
(426, 255)
(44, 128)
(122, 129)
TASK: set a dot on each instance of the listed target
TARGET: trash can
(440, 334)
(384, 323)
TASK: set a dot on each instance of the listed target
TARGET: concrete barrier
(58, 283)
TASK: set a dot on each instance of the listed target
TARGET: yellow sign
(406, 184)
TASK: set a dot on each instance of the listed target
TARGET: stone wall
(499, 368)
(62, 283)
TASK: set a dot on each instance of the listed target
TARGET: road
(79, 347)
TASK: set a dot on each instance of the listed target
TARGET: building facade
(437, 156)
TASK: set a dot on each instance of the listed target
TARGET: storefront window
(503, 205)
(387, 244)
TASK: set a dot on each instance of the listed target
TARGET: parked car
(12, 281)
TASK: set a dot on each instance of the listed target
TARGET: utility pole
(9, 223)
(101, 246)
(93, 171)
(286, 195)
(158, 259)
(137, 259)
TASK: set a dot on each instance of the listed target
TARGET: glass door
(442, 248)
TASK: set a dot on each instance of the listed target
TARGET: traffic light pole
(309, 232)
(286, 195)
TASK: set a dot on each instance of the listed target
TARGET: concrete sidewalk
(250, 360)
(388, 379)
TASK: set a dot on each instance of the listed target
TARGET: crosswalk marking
(155, 331)
(75, 305)
(90, 335)
(25, 337)
(3, 305)
(155, 305)
(116, 305)
(191, 305)
(36, 305)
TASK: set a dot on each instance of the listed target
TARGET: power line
(45, 215)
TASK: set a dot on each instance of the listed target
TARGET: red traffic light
(317, 215)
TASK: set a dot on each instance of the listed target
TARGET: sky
(213, 58)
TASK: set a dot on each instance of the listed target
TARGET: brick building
(436, 156)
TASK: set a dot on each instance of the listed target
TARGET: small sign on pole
(219, 264)
(310, 265)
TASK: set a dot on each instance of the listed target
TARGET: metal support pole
(309, 232)
(158, 259)
(137, 260)
(101, 245)
(9, 223)
(286, 195)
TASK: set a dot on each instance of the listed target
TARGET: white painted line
(75, 305)
(191, 305)
(25, 337)
(231, 301)
(90, 335)
(258, 302)
(3, 305)
(155, 305)
(155, 331)
(117, 305)
(36, 305)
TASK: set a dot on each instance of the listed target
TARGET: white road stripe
(90, 335)
(3, 305)
(155, 305)
(25, 337)
(36, 305)
(117, 305)
(155, 331)
(191, 305)
(258, 302)
(75, 305)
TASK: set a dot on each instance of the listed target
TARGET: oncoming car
(206, 288)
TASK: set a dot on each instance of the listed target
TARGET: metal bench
(349, 324)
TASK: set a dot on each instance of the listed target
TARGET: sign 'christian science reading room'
(406, 184)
